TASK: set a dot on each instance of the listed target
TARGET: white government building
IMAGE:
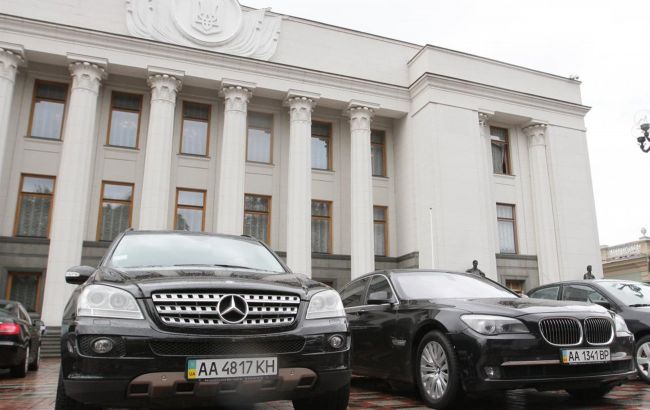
(344, 151)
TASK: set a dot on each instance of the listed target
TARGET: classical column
(301, 105)
(362, 242)
(73, 185)
(232, 158)
(11, 56)
(154, 206)
(545, 235)
(488, 191)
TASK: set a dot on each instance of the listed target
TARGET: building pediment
(215, 25)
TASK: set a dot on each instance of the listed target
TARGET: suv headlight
(494, 325)
(325, 304)
(621, 326)
(106, 301)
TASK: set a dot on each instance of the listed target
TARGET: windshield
(442, 285)
(630, 293)
(159, 250)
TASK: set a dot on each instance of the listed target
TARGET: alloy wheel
(643, 359)
(434, 370)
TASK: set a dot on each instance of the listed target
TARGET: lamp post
(642, 124)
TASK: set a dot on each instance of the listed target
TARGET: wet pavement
(38, 390)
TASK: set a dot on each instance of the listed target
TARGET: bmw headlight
(106, 301)
(325, 304)
(621, 326)
(494, 325)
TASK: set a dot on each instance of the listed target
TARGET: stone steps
(51, 343)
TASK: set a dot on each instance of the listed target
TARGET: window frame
(328, 218)
(110, 119)
(262, 129)
(191, 207)
(507, 161)
(207, 135)
(65, 108)
(514, 227)
(385, 223)
(39, 287)
(329, 143)
(268, 213)
(19, 202)
(384, 172)
(101, 202)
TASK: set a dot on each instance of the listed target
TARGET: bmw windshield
(148, 250)
(442, 285)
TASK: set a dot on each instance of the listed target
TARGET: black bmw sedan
(450, 333)
(20, 339)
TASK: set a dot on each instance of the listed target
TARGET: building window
(124, 126)
(516, 285)
(378, 143)
(34, 206)
(190, 210)
(380, 216)
(115, 212)
(48, 108)
(260, 138)
(507, 228)
(26, 288)
(500, 150)
(321, 145)
(257, 217)
(321, 226)
(196, 129)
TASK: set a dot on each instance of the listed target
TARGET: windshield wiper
(640, 305)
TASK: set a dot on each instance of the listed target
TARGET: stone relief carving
(300, 108)
(236, 98)
(215, 25)
(9, 64)
(86, 76)
(360, 117)
(536, 133)
(164, 87)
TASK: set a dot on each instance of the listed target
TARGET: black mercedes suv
(178, 319)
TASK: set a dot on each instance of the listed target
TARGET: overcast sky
(605, 42)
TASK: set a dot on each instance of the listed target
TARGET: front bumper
(526, 361)
(148, 366)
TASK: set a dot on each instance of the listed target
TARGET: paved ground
(38, 389)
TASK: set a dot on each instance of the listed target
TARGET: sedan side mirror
(78, 274)
(379, 298)
(604, 304)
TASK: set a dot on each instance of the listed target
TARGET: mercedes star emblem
(233, 309)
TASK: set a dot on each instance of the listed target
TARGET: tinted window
(579, 293)
(352, 295)
(546, 293)
(149, 250)
(629, 292)
(442, 285)
(380, 284)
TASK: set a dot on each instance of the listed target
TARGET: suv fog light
(336, 341)
(102, 346)
(492, 372)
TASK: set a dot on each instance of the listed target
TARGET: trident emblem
(206, 14)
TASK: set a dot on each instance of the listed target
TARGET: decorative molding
(215, 25)
(9, 62)
(236, 98)
(301, 104)
(360, 117)
(86, 76)
(537, 134)
(483, 119)
(164, 87)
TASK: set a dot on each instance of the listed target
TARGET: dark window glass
(35, 206)
(257, 217)
(546, 293)
(378, 151)
(48, 109)
(579, 293)
(24, 287)
(115, 213)
(321, 135)
(500, 150)
(353, 294)
(380, 284)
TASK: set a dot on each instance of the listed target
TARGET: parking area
(38, 390)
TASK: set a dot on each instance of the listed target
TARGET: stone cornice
(460, 86)
(46, 31)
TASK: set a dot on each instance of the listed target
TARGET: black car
(450, 333)
(20, 339)
(628, 298)
(179, 319)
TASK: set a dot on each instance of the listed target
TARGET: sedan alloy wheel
(434, 370)
(643, 358)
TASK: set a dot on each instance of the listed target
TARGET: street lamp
(642, 122)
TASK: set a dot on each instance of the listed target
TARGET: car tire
(592, 393)
(437, 372)
(337, 400)
(34, 365)
(63, 402)
(20, 370)
(642, 358)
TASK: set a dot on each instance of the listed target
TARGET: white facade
(435, 106)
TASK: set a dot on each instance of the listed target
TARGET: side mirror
(379, 298)
(78, 274)
(604, 304)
